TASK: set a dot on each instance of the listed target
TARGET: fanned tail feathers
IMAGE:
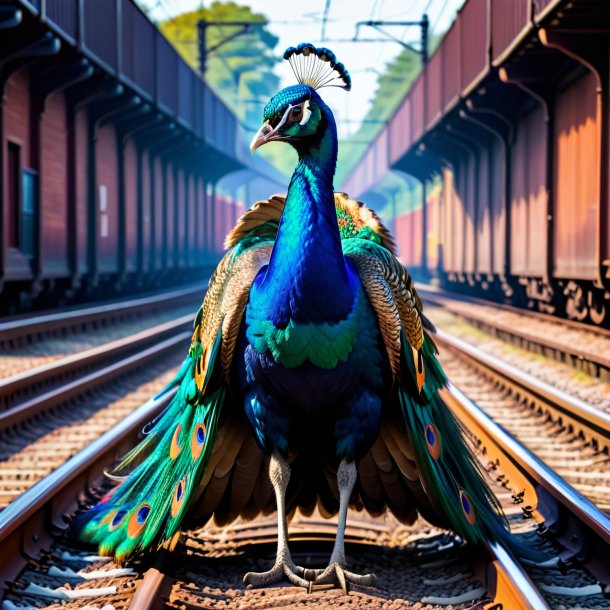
(452, 476)
(146, 511)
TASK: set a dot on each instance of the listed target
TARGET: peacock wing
(356, 220)
(421, 454)
(200, 446)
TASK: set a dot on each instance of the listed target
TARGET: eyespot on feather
(175, 447)
(117, 517)
(137, 521)
(198, 440)
(433, 441)
(467, 507)
(179, 495)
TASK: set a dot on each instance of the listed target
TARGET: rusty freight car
(112, 151)
(511, 113)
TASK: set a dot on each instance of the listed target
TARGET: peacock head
(297, 114)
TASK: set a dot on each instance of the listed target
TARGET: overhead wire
(440, 14)
(324, 19)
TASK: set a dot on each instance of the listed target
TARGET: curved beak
(265, 134)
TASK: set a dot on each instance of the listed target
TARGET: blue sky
(295, 21)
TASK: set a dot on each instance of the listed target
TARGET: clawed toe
(337, 574)
(295, 574)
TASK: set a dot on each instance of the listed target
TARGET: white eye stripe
(284, 117)
(306, 113)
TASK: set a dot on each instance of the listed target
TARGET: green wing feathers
(146, 510)
(451, 476)
(167, 469)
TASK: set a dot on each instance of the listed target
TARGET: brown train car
(576, 181)
(19, 230)
(528, 205)
(130, 202)
(106, 156)
(106, 227)
(54, 189)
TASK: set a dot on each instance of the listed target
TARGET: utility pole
(202, 28)
(423, 24)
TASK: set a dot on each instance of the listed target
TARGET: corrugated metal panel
(433, 227)
(577, 181)
(469, 208)
(529, 197)
(199, 110)
(473, 27)
(171, 211)
(434, 84)
(64, 14)
(483, 215)
(101, 30)
(167, 75)
(536, 159)
(518, 206)
(157, 215)
(185, 94)
(400, 131)
(498, 207)
(381, 155)
(370, 167)
(453, 250)
(418, 121)
(408, 229)
(191, 220)
(181, 204)
(444, 214)
(450, 50)
(147, 204)
(417, 235)
(138, 38)
(508, 18)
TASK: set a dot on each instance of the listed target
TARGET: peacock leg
(279, 473)
(335, 572)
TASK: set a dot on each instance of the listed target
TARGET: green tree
(241, 70)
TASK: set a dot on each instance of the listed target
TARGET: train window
(14, 193)
(103, 203)
(29, 209)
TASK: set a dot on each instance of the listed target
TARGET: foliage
(241, 70)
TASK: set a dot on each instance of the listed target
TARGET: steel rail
(77, 387)
(432, 294)
(512, 583)
(534, 467)
(43, 491)
(587, 415)
(39, 324)
(85, 359)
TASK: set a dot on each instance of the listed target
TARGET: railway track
(417, 565)
(19, 330)
(50, 412)
(585, 348)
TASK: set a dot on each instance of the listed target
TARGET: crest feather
(317, 67)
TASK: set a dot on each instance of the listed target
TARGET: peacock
(312, 379)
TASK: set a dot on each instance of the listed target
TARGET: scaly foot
(295, 574)
(336, 574)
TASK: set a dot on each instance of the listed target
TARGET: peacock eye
(295, 113)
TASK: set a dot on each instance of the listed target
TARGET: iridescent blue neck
(307, 273)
